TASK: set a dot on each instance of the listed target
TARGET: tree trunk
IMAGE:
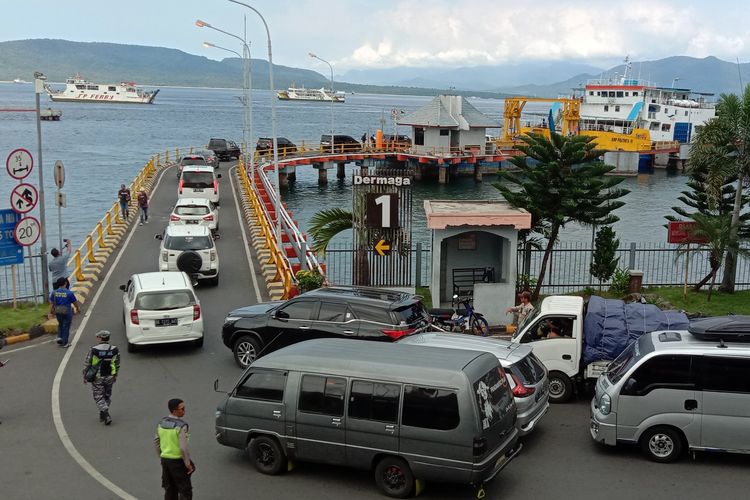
(361, 268)
(713, 282)
(545, 259)
(730, 264)
(702, 282)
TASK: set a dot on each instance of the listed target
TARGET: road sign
(681, 232)
(382, 210)
(10, 251)
(24, 198)
(59, 174)
(383, 248)
(19, 163)
(27, 231)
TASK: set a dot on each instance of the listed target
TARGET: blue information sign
(10, 251)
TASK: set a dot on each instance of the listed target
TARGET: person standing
(58, 266)
(171, 442)
(143, 206)
(101, 368)
(524, 308)
(62, 305)
(123, 196)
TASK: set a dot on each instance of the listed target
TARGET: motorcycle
(453, 320)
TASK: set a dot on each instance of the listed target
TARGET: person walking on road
(58, 266)
(62, 305)
(101, 369)
(143, 206)
(172, 446)
(123, 196)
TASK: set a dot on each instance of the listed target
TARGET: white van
(676, 390)
(197, 181)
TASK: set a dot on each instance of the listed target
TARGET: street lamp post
(39, 79)
(332, 94)
(247, 85)
(273, 125)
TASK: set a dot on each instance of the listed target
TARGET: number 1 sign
(382, 210)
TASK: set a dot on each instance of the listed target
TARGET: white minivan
(197, 181)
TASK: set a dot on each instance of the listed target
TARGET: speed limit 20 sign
(27, 231)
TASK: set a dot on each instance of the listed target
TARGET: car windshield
(164, 301)
(191, 210)
(628, 358)
(188, 242)
(194, 161)
(197, 179)
(529, 319)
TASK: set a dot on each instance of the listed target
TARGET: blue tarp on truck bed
(611, 325)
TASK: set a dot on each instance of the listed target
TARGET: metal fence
(28, 277)
(339, 260)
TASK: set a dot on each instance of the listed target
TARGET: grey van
(670, 391)
(408, 413)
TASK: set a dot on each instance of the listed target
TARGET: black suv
(338, 312)
(224, 149)
(341, 143)
(284, 145)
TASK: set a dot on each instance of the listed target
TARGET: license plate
(501, 461)
(198, 190)
(166, 322)
(191, 222)
(540, 394)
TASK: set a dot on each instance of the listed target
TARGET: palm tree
(326, 224)
(721, 148)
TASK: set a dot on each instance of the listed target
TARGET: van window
(430, 408)
(324, 395)
(667, 371)
(263, 385)
(164, 301)
(197, 180)
(374, 314)
(726, 374)
(334, 312)
(374, 401)
(191, 210)
(184, 243)
(493, 397)
(628, 358)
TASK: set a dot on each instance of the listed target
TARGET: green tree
(604, 262)
(326, 224)
(561, 180)
(721, 150)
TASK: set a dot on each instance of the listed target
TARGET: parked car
(527, 376)
(284, 146)
(199, 211)
(409, 414)
(190, 249)
(341, 143)
(400, 140)
(191, 160)
(210, 157)
(199, 182)
(348, 312)
(160, 308)
(224, 149)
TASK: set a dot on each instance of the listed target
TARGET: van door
(257, 403)
(660, 391)
(372, 423)
(726, 403)
(320, 422)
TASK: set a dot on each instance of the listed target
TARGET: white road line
(27, 347)
(56, 412)
(241, 221)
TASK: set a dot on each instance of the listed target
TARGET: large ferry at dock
(295, 93)
(79, 90)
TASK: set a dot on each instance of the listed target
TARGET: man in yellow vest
(172, 446)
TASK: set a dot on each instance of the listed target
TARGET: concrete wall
(474, 137)
(625, 162)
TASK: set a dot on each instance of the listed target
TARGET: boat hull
(57, 98)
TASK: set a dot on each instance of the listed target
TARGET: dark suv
(341, 143)
(284, 145)
(338, 312)
(224, 149)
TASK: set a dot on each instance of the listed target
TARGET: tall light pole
(39, 79)
(247, 86)
(273, 125)
(332, 94)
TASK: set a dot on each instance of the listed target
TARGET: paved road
(559, 461)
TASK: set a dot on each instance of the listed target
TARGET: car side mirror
(123, 287)
(216, 387)
(158, 237)
(281, 315)
(218, 176)
(630, 386)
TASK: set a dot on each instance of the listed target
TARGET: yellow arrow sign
(382, 247)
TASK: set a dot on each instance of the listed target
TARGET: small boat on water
(49, 114)
(295, 93)
(18, 80)
(79, 90)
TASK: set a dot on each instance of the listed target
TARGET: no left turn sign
(19, 163)
(27, 231)
(23, 198)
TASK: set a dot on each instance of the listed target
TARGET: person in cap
(101, 369)
(172, 446)
(62, 305)
(524, 308)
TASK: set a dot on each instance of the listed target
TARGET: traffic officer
(171, 445)
(101, 369)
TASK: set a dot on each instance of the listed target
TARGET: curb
(47, 327)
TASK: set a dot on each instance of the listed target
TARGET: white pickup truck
(563, 352)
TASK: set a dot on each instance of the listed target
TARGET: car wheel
(246, 349)
(479, 326)
(560, 387)
(214, 281)
(132, 347)
(198, 343)
(394, 477)
(267, 455)
(662, 444)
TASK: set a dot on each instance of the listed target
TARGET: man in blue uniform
(62, 304)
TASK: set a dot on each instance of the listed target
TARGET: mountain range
(159, 66)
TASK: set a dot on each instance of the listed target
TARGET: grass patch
(22, 318)
(425, 292)
(697, 302)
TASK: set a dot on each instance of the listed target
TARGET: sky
(360, 34)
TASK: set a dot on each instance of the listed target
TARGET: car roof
(561, 304)
(198, 168)
(189, 230)
(193, 201)
(161, 280)
(193, 155)
(683, 342)
(504, 350)
(361, 294)
(374, 360)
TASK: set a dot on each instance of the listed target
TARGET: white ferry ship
(79, 90)
(294, 93)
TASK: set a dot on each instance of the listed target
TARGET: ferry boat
(79, 90)
(18, 80)
(294, 93)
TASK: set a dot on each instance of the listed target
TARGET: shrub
(620, 281)
(309, 280)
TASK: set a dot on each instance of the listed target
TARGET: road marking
(56, 412)
(27, 347)
(244, 237)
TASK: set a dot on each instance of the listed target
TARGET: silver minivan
(526, 375)
(670, 391)
(408, 413)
